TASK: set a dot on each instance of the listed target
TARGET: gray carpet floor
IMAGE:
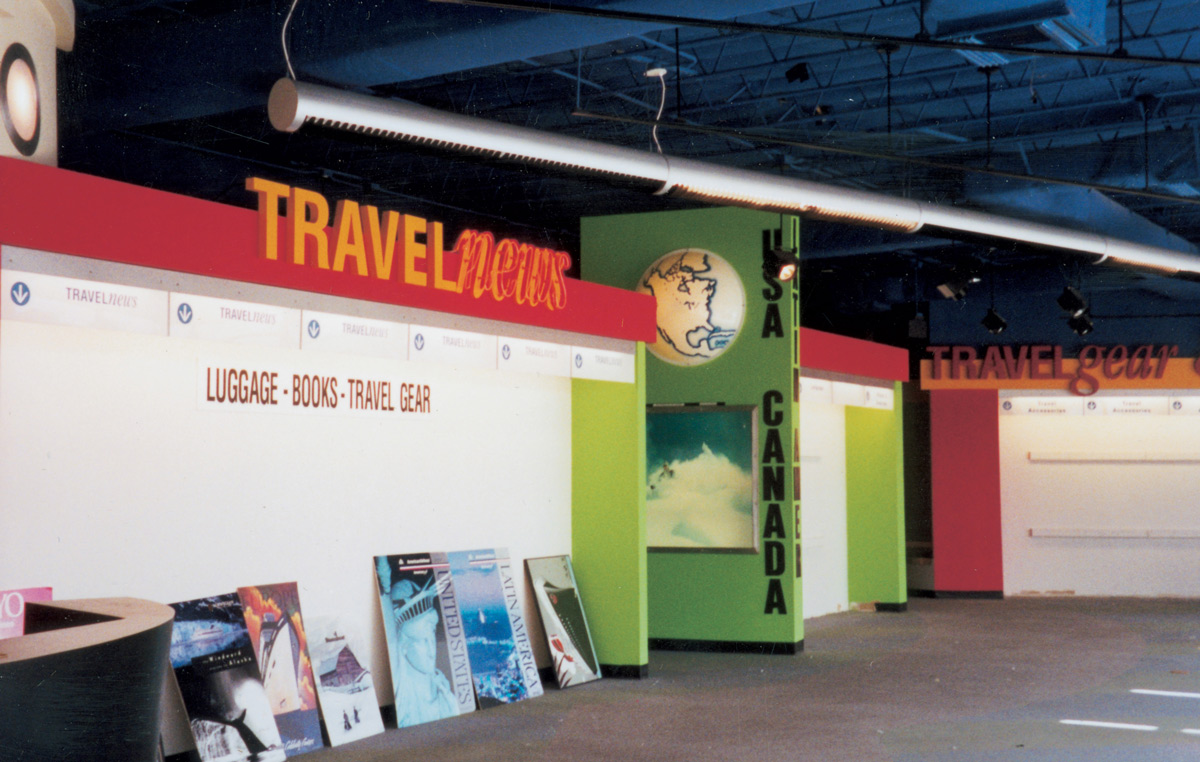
(947, 680)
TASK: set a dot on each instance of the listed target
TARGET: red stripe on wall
(64, 212)
(965, 464)
(840, 354)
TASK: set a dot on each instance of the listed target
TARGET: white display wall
(121, 476)
(1099, 494)
(823, 507)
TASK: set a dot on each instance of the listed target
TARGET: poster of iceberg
(567, 634)
(277, 633)
(495, 661)
(345, 690)
(701, 491)
(222, 690)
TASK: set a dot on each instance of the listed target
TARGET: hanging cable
(283, 39)
(661, 73)
(987, 72)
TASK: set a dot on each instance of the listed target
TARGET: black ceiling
(1100, 130)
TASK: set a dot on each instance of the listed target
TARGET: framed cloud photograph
(701, 483)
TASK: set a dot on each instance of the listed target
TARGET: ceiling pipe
(293, 104)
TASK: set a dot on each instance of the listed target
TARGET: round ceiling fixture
(19, 103)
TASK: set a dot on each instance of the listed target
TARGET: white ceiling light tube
(293, 104)
(739, 187)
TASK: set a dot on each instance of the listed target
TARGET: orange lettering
(269, 194)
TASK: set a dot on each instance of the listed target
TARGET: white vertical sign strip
(204, 317)
(603, 365)
(354, 335)
(38, 298)
(449, 347)
(849, 394)
(816, 390)
(879, 398)
(526, 356)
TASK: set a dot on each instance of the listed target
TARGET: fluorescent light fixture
(293, 104)
(1112, 725)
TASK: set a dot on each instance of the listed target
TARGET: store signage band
(409, 250)
(1043, 366)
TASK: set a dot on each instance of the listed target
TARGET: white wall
(116, 481)
(823, 508)
(1098, 504)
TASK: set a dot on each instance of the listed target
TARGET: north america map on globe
(684, 284)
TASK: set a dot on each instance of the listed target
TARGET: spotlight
(798, 73)
(1072, 301)
(1080, 323)
(19, 104)
(781, 264)
(956, 288)
(993, 322)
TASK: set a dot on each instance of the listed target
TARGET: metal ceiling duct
(293, 104)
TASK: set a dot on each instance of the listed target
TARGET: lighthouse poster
(219, 680)
(277, 633)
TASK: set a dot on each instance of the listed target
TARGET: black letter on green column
(775, 602)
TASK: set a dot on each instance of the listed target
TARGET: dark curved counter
(84, 682)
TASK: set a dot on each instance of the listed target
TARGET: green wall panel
(875, 503)
(718, 596)
(608, 513)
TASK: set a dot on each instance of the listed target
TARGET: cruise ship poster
(277, 633)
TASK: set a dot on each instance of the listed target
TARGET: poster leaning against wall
(566, 627)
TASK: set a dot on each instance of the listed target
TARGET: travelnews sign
(402, 248)
(1042, 366)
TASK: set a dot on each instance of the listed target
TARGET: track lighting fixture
(798, 73)
(1072, 301)
(1080, 323)
(956, 288)
(993, 322)
(781, 264)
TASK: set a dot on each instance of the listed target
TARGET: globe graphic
(701, 305)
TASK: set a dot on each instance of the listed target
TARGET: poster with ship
(222, 689)
(277, 633)
(428, 683)
(516, 620)
(567, 635)
(12, 608)
(495, 662)
(345, 690)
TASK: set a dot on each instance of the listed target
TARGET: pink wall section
(965, 454)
